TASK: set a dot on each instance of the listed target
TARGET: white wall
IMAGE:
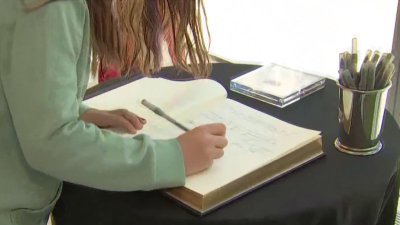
(303, 34)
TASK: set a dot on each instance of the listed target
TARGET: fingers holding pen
(220, 141)
(217, 138)
(201, 145)
(215, 128)
(217, 151)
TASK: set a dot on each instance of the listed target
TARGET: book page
(174, 97)
(255, 139)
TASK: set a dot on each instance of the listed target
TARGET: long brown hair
(129, 33)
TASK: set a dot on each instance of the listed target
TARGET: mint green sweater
(44, 69)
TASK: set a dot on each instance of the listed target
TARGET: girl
(48, 136)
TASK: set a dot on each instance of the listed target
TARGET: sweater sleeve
(83, 108)
(41, 91)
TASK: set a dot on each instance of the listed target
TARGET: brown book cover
(202, 204)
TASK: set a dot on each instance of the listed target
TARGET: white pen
(161, 113)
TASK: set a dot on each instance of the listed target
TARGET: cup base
(358, 151)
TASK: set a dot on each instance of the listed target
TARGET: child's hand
(118, 120)
(201, 146)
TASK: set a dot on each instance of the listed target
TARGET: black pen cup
(360, 115)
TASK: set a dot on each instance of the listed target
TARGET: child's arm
(42, 93)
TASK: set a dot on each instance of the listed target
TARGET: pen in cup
(161, 113)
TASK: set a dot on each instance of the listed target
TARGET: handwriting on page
(246, 131)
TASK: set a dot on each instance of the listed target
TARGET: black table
(338, 189)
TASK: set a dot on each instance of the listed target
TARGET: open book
(261, 147)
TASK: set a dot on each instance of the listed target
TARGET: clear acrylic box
(277, 85)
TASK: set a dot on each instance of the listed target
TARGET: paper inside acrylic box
(261, 148)
(277, 85)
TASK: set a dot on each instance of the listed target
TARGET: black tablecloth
(338, 189)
